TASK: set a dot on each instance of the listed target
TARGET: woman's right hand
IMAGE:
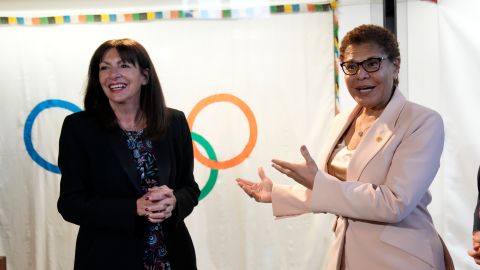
(261, 191)
(142, 204)
(157, 204)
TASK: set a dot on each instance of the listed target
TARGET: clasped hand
(302, 173)
(157, 204)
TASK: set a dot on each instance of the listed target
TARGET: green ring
(212, 178)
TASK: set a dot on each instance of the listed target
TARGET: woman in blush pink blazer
(375, 171)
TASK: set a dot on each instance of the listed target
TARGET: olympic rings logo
(210, 161)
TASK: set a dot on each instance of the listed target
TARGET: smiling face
(121, 81)
(371, 90)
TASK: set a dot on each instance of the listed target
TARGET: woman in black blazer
(127, 168)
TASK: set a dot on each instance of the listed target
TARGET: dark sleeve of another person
(476, 214)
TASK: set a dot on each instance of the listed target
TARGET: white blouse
(339, 161)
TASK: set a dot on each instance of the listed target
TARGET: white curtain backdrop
(458, 98)
(280, 66)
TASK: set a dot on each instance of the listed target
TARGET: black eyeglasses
(371, 64)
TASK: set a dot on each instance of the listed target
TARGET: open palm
(261, 191)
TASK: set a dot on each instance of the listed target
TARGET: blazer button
(378, 139)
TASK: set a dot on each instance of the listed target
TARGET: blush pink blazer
(382, 218)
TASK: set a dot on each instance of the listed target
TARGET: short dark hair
(370, 33)
(152, 101)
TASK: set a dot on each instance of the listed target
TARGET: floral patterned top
(155, 255)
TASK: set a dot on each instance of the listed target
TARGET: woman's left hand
(302, 173)
(162, 202)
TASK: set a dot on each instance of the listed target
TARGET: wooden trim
(3, 263)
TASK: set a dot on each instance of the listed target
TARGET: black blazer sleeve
(185, 188)
(476, 217)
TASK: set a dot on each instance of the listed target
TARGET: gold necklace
(371, 118)
(362, 132)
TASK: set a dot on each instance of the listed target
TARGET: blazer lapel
(119, 146)
(337, 130)
(377, 136)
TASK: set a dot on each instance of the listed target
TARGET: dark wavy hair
(370, 33)
(152, 101)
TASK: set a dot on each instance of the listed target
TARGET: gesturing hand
(261, 191)
(303, 173)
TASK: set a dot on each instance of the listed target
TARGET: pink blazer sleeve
(288, 200)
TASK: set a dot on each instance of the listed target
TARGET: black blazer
(100, 185)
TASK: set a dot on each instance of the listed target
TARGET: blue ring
(27, 131)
